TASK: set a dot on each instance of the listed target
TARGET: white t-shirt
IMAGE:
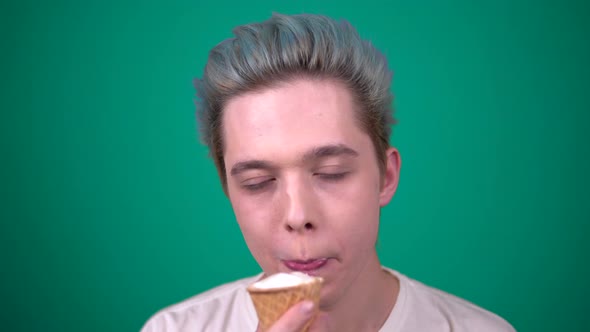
(418, 308)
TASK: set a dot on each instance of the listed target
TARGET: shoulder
(223, 308)
(446, 312)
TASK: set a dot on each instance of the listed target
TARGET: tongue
(305, 266)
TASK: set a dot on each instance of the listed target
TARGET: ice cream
(274, 295)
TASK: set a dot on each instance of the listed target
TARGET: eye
(332, 176)
(257, 184)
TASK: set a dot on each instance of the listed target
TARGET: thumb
(295, 318)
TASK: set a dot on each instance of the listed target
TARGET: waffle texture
(271, 304)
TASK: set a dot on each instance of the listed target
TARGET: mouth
(307, 266)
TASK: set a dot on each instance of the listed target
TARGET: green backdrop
(111, 209)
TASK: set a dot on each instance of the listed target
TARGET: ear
(391, 176)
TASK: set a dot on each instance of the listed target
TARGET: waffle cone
(271, 304)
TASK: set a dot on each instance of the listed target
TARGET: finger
(295, 318)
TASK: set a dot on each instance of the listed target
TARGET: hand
(294, 319)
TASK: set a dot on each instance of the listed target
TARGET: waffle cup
(271, 304)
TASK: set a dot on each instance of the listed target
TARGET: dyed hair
(283, 48)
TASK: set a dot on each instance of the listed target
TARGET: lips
(305, 265)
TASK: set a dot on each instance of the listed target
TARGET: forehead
(289, 120)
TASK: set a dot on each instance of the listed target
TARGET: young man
(296, 112)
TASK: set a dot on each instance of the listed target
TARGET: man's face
(304, 182)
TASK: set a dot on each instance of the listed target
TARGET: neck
(367, 304)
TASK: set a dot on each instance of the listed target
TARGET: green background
(111, 209)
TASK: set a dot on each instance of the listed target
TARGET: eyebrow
(331, 150)
(324, 151)
(243, 166)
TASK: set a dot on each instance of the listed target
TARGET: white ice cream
(281, 280)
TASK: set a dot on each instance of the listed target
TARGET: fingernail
(306, 307)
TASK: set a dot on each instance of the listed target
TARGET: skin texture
(304, 183)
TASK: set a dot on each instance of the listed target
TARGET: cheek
(359, 226)
(355, 216)
(255, 221)
(361, 208)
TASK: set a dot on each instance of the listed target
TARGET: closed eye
(258, 185)
(332, 176)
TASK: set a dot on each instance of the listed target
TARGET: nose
(299, 203)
